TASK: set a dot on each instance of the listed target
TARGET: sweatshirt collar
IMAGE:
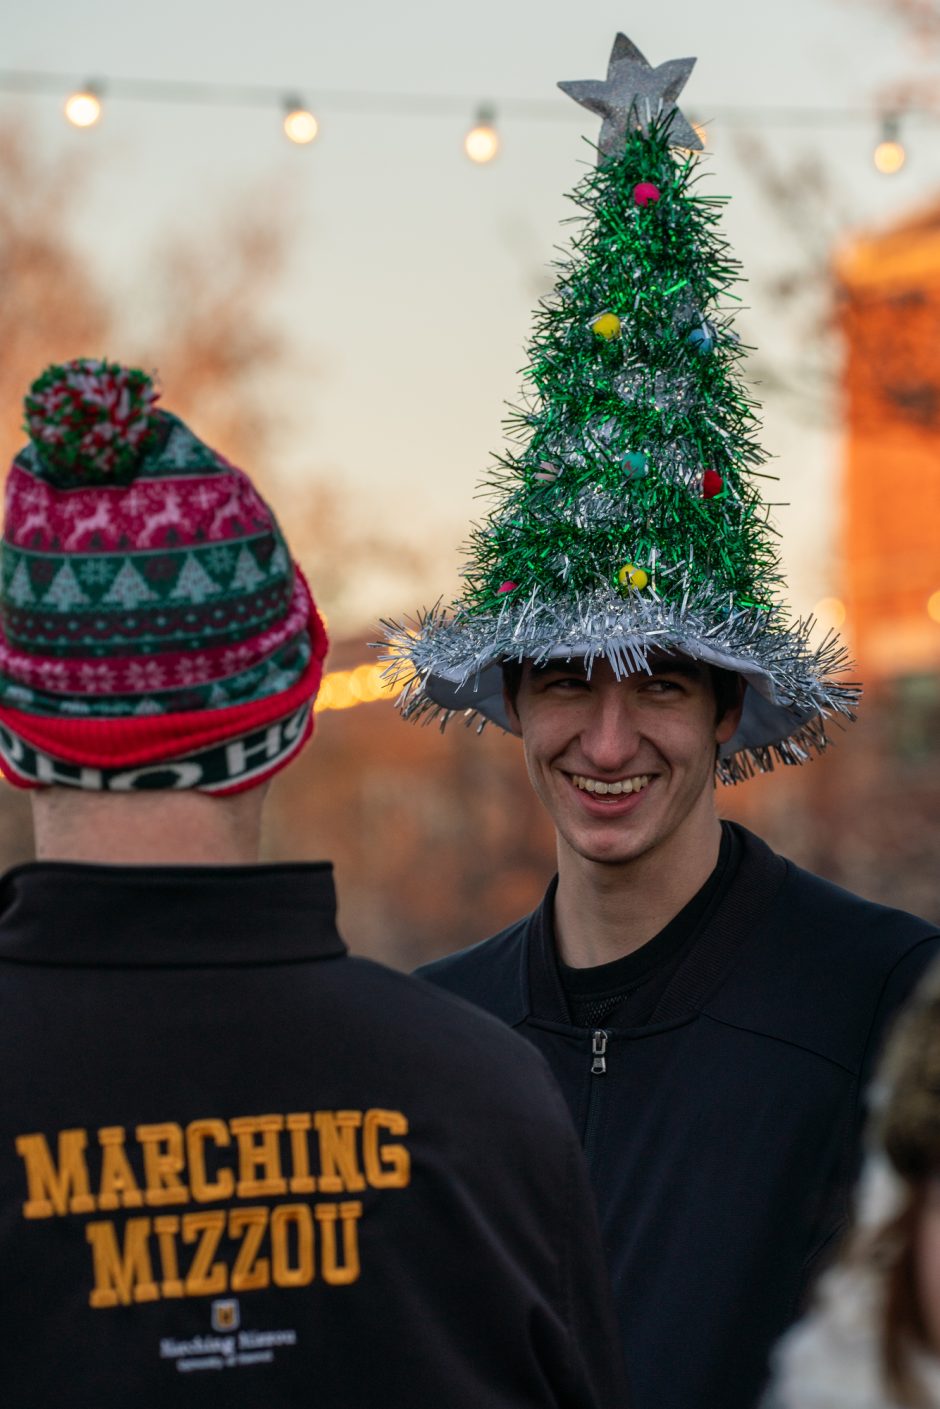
(132, 916)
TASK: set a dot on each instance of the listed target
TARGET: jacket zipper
(598, 1068)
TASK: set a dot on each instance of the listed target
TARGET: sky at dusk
(412, 274)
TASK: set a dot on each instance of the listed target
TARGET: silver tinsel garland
(447, 653)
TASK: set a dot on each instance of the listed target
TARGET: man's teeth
(625, 785)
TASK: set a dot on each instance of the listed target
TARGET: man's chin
(609, 851)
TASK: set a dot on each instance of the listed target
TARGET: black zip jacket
(238, 1167)
(722, 1138)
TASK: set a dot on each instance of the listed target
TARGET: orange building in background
(890, 313)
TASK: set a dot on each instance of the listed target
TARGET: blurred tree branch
(51, 310)
(217, 350)
(920, 17)
(807, 207)
(202, 318)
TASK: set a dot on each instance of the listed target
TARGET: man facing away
(710, 1011)
(237, 1167)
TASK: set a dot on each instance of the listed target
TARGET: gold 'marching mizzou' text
(211, 1161)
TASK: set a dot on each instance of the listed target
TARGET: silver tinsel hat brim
(449, 662)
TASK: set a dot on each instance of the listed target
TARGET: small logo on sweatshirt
(225, 1315)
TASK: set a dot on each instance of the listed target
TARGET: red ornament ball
(506, 587)
(712, 484)
(646, 193)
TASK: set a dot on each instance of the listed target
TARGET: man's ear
(512, 716)
(728, 723)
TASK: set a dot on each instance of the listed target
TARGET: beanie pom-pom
(91, 421)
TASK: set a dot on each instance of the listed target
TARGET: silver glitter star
(633, 94)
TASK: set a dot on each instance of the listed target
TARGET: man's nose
(610, 736)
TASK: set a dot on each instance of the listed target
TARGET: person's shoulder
(834, 919)
(491, 974)
(413, 1014)
(867, 928)
(823, 968)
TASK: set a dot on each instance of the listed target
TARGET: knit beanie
(154, 632)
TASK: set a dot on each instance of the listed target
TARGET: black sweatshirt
(722, 1135)
(238, 1167)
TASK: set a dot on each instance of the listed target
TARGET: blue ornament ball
(703, 338)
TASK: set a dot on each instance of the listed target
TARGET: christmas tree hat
(627, 515)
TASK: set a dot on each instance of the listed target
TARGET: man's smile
(601, 788)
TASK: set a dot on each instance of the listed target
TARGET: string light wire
(199, 93)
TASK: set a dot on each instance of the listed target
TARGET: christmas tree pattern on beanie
(142, 573)
(628, 515)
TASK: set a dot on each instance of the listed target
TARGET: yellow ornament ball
(606, 325)
(630, 576)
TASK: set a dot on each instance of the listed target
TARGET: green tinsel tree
(638, 444)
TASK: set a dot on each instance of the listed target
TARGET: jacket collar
(759, 876)
(129, 916)
(546, 995)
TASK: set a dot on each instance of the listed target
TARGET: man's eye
(566, 682)
(663, 687)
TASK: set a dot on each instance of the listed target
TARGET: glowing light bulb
(933, 606)
(83, 108)
(889, 155)
(300, 125)
(481, 143)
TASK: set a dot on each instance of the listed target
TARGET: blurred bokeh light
(83, 108)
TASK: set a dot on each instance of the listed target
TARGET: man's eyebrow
(675, 665)
(551, 667)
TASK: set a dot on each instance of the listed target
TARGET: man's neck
(147, 829)
(603, 912)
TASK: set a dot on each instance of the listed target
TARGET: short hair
(725, 685)
(512, 678)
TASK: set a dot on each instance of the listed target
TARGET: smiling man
(710, 1011)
